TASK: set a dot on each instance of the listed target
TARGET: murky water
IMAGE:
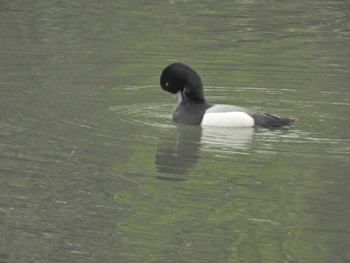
(94, 170)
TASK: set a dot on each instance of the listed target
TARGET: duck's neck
(193, 96)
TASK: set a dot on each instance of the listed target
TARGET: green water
(94, 170)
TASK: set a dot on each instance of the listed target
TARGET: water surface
(94, 170)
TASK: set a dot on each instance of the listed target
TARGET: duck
(187, 87)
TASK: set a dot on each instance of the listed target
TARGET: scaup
(186, 85)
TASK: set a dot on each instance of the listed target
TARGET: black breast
(191, 114)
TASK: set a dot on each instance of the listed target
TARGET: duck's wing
(219, 108)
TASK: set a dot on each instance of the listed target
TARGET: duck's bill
(178, 96)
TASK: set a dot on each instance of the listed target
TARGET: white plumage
(234, 119)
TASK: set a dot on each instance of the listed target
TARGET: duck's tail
(271, 121)
(286, 121)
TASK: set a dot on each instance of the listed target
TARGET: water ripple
(154, 114)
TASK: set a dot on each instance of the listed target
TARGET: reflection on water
(226, 140)
(181, 153)
(178, 156)
(86, 132)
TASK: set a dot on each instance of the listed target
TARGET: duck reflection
(182, 153)
(226, 139)
(179, 155)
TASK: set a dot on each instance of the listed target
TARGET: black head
(180, 77)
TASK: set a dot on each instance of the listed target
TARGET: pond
(93, 169)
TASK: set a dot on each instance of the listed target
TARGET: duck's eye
(166, 84)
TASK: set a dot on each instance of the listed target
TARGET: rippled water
(94, 170)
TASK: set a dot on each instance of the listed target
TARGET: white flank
(234, 119)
